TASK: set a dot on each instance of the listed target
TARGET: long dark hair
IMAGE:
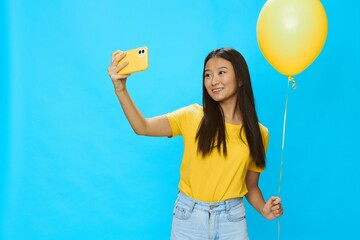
(212, 133)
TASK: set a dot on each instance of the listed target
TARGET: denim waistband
(209, 206)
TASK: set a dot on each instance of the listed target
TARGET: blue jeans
(193, 219)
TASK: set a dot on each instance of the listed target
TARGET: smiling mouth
(217, 90)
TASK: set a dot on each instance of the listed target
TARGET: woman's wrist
(262, 211)
(120, 91)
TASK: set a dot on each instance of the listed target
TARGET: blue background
(71, 167)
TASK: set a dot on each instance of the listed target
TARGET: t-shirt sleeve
(178, 119)
(265, 137)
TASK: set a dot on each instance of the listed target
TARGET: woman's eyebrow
(222, 67)
(206, 69)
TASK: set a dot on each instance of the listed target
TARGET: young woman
(224, 149)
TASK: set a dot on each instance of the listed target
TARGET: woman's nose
(215, 80)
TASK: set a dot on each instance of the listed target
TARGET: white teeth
(217, 89)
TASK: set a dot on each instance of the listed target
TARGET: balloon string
(294, 86)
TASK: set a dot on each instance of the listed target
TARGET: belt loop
(192, 206)
(227, 206)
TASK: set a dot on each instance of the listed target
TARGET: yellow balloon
(291, 33)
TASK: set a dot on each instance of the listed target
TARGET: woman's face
(220, 81)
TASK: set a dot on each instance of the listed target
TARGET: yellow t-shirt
(213, 178)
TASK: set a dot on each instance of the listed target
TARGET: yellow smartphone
(138, 60)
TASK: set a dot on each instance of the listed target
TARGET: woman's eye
(207, 75)
(222, 72)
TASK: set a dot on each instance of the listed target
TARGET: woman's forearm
(256, 199)
(132, 113)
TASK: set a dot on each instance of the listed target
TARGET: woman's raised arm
(155, 126)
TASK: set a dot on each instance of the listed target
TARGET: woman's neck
(232, 113)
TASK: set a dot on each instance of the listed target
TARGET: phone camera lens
(139, 51)
(143, 51)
